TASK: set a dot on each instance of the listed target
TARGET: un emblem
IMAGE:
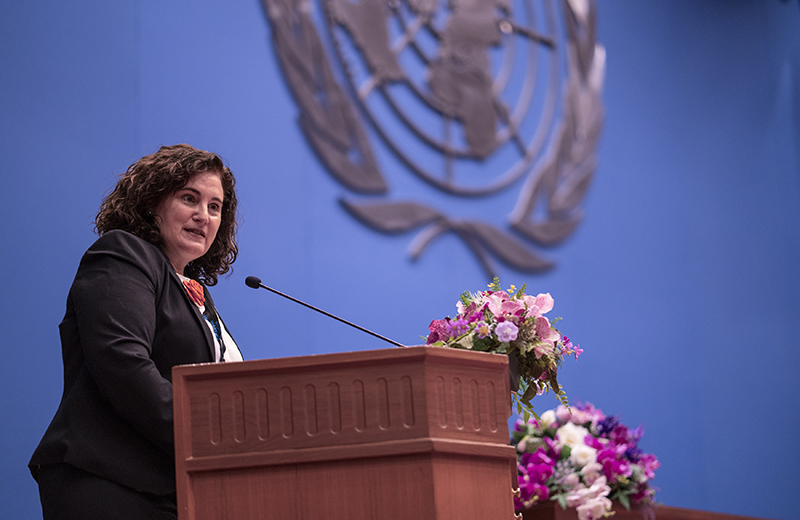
(473, 97)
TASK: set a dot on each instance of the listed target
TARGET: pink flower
(495, 302)
(613, 467)
(545, 302)
(512, 308)
(465, 311)
(569, 348)
(535, 469)
(544, 332)
(541, 304)
(506, 331)
(580, 416)
(440, 331)
(649, 464)
(562, 414)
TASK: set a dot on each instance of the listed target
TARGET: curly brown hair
(148, 181)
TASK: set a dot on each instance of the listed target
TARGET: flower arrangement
(513, 323)
(583, 459)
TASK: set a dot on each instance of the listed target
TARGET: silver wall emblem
(474, 97)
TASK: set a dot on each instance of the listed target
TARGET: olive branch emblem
(555, 166)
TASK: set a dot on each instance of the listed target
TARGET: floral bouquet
(513, 323)
(583, 459)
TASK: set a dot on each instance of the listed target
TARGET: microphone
(255, 283)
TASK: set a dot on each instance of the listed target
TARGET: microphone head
(253, 281)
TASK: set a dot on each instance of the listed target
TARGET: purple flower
(534, 471)
(607, 425)
(482, 329)
(613, 467)
(506, 331)
(539, 457)
(460, 326)
(592, 442)
(553, 449)
(569, 348)
(650, 464)
(475, 316)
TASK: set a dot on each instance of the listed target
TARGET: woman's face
(189, 219)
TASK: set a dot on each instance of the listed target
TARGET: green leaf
(566, 451)
(529, 394)
(625, 501)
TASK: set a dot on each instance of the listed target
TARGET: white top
(231, 349)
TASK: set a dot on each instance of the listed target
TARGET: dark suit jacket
(128, 322)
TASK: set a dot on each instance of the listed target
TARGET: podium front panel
(375, 434)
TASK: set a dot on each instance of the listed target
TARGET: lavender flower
(482, 329)
(460, 326)
(506, 331)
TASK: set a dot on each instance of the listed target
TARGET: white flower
(577, 496)
(570, 481)
(591, 503)
(582, 455)
(591, 472)
(599, 489)
(593, 509)
(547, 418)
(571, 435)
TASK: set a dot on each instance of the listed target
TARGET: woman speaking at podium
(138, 306)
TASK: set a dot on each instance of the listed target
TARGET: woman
(136, 309)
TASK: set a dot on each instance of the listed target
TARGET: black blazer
(128, 322)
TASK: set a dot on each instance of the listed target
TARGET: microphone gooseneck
(255, 283)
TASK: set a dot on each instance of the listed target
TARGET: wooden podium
(398, 434)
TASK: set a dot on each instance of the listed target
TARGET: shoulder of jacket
(129, 247)
(116, 238)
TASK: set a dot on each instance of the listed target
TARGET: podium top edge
(327, 361)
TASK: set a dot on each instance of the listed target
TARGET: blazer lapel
(200, 319)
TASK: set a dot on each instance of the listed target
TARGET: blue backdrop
(681, 283)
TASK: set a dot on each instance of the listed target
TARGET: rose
(582, 455)
(571, 435)
(547, 418)
(440, 331)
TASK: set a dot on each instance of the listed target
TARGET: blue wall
(681, 284)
